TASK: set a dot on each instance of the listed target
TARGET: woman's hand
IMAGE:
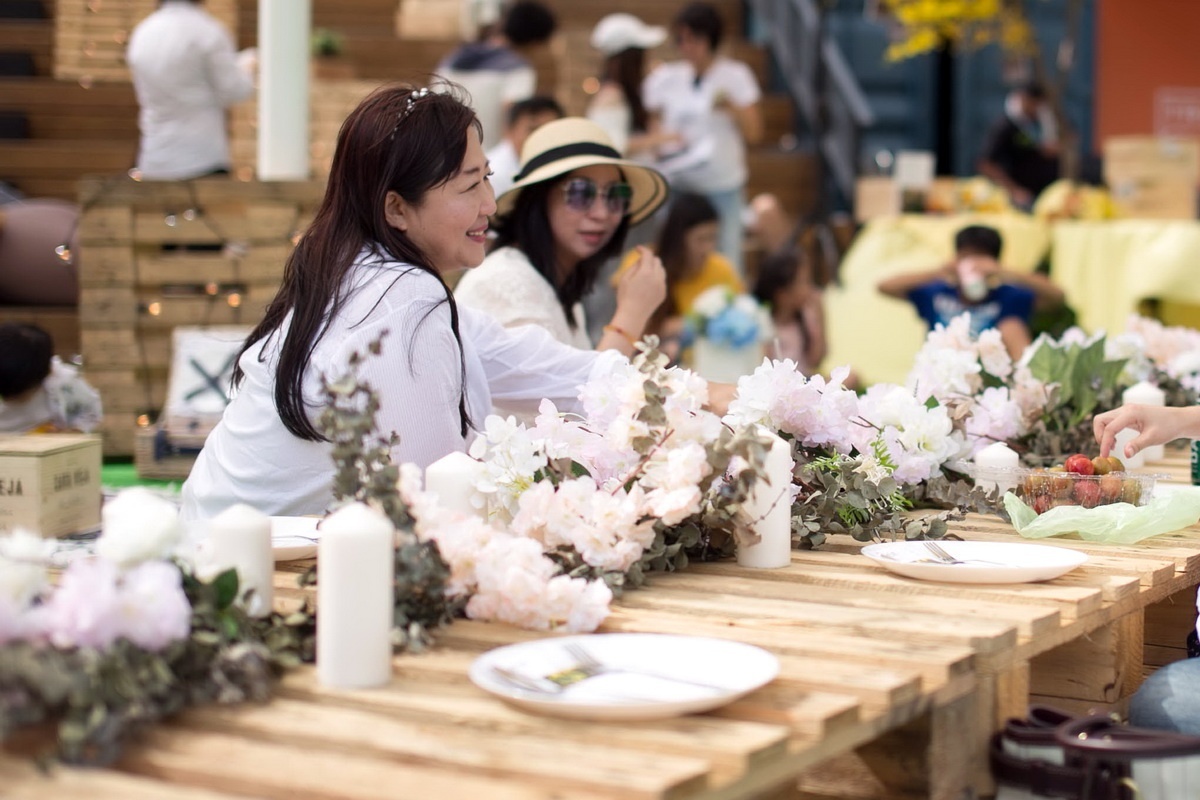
(640, 291)
(720, 395)
(1154, 424)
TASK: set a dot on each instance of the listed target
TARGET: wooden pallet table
(902, 680)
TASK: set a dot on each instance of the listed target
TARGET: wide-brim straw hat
(572, 143)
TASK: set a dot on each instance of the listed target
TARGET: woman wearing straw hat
(566, 214)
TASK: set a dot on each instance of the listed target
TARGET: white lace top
(507, 288)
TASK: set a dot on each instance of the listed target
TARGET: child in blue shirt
(974, 283)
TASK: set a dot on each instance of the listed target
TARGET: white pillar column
(284, 28)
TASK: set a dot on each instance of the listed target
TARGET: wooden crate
(90, 35)
(158, 456)
(143, 272)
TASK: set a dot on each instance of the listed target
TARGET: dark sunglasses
(580, 193)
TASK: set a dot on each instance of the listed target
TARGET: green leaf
(225, 589)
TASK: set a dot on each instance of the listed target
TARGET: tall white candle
(355, 598)
(284, 33)
(240, 538)
(452, 478)
(1124, 437)
(991, 465)
(769, 505)
(1147, 394)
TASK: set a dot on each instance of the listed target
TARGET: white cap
(618, 32)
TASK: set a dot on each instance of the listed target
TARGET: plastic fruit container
(1044, 489)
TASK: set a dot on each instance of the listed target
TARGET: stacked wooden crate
(157, 255)
(90, 35)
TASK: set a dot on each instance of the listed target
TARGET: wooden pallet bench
(143, 272)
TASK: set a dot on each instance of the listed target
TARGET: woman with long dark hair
(617, 105)
(406, 206)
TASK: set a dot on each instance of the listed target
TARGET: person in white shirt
(406, 207)
(525, 117)
(186, 73)
(712, 103)
(564, 217)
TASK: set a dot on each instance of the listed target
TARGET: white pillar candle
(770, 508)
(240, 538)
(991, 465)
(1124, 437)
(452, 478)
(355, 582)
(284, 29)
(1147, 394)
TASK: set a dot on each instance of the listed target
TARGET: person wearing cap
(617, 106)
(1021, 150)
(566, 214)
(712, 103)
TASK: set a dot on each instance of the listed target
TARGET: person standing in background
(617, 106)
(186, 73)
(525, 117)
(491, 70)
(1021, 150)
(712, 103)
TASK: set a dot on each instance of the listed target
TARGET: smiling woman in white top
(406, 205)
(185, 73)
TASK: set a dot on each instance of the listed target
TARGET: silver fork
(942, 555)
(587, 665)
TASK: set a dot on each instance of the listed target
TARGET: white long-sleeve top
(186, 73)
(250, 457)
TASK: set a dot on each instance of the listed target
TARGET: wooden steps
(33, 36)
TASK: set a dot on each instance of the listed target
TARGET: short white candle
(1124, 437)
(240, 538)
(1147, 394)
(770, 508)
(355, 582)
(452, 478)
(991, 464)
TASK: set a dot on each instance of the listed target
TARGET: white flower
(139, 525)
(152, 607)
(711, 301)
(23, 559)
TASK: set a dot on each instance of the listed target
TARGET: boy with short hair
(974, 283)
(524, 117)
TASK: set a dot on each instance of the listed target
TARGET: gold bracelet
(621, 332)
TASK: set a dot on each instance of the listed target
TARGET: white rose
(711, 302)
(139, 525)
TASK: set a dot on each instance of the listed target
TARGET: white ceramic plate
(294, 538)
(987, 562)
(728, 670)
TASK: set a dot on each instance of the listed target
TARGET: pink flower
(83, 611)
(154, 610)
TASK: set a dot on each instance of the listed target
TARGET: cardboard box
(875, 196)
(50, 483)
(1153, 177)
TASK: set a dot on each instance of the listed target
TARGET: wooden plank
(224, 763)
(732, 746)
(1105, 666)
(985, 635)
(22, 780)
(846, 572)
(598, 765)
